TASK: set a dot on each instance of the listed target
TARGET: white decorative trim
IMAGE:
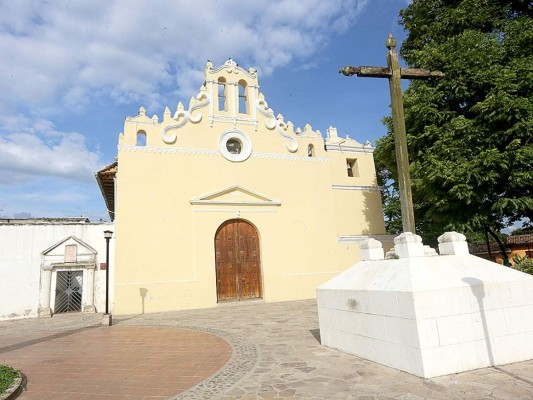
(231, 66)
(357, 187)
(168, 150)
(349, 149)
(353, 239)
(274, 156)
(273, 123)
(232, 211)
(246, 145)
(235, 203)
(187, 116)
(71, 266)
(209, 152)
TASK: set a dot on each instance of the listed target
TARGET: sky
(71, 71)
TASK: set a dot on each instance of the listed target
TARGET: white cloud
(50, 197)
(37, 149)
(130, 49)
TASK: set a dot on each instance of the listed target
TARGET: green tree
(469, 133)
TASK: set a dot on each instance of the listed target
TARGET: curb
(14, 391)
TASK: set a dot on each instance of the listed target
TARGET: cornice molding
(234, 203)
(70, 265)
(170, 150)
(215, 152)
(348, 149)
(357, 187)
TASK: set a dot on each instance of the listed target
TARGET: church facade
(223, 201)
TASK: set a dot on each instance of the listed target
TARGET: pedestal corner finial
(391, 42)
(453, 243)
(371, 250)
(408, 245)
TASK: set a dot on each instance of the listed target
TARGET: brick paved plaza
(237, 351)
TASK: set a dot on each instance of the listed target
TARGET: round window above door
(235, 146)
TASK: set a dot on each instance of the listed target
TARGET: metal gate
(69, 286)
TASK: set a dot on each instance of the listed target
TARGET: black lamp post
(108, 235)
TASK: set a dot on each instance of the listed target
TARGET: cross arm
(371, 72)
(419, 73)
(385, 72)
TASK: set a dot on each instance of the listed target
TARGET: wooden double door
(238, 262)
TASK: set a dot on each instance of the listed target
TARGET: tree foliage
(469, 133)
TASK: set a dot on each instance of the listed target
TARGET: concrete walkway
(272, 351)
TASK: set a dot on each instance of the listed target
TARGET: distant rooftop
(520, 239)
(45, 221)
(509, 242)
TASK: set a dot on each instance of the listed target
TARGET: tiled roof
(481, 248)
(509, 242)
(106, 181)
(520, 239)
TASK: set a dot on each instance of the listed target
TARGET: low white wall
(21, 246)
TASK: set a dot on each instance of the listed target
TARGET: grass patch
(7, 377)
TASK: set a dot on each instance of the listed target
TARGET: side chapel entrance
(238, 263)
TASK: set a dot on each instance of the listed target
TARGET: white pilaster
(46, 284)
(89, 299)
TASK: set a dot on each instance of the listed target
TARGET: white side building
(52, 265)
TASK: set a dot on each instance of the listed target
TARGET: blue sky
(71, 71)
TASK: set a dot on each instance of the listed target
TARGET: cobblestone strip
(242, 362)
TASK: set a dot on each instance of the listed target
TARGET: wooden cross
(394, 73)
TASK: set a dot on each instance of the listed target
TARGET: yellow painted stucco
(173, 193)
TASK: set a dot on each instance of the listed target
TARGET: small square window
(352, 167)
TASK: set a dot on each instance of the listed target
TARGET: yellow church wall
(174, 193)
(170, 229)
(361, 201)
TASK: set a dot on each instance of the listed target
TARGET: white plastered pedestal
(429, 316)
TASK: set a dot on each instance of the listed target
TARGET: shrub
(524, 264)
(7, 377)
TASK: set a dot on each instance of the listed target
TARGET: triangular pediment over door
(58, 251)
(235, 195)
